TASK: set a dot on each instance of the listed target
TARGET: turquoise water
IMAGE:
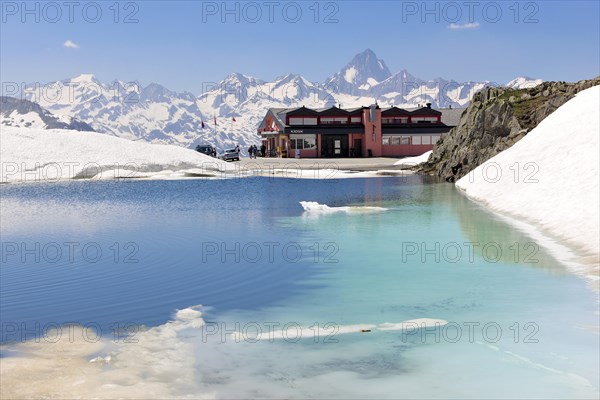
(518, 325)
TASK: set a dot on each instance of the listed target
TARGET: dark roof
(449, 116)
(425, 111)
(354, 111)
(302, 111)
(394, 112)
(334, 111)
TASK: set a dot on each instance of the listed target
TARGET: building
(357, 132)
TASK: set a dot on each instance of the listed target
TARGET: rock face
(496, 119)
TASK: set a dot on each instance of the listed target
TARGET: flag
(215, 120)
(232, 119)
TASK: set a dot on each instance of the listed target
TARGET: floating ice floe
(314, 207)
(296, 332)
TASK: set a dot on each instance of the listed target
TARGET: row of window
(426, 120)
(358, 120)
(308, 142)
(304, 142)
(392, 140)
(394, 120)
(324, 120)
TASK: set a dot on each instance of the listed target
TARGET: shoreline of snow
(409, 162)
(547, 183)
(53, 155)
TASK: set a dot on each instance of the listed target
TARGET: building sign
(296, 131)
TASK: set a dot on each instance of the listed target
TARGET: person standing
(263, 150)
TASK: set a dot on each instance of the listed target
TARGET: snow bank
(550, 177)
(39, 155)
(412, 161)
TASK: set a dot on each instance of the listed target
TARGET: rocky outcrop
(496, 119)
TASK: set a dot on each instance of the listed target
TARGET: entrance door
(357, 147)
(334, 146)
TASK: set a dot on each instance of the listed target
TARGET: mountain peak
(84, 78)
(362, 72)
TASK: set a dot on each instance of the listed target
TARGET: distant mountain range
(21, 113)
(156, 114)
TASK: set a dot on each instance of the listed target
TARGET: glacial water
(295, 304)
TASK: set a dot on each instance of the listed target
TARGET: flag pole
(215, 131)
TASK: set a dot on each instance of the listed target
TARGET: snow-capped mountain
(21, 113)
(238, 103)
(246, 100)
(523, 82)
(359, 75)
(125, 109)
(404, 89)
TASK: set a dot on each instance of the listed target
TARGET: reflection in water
(516, 247)
(357, 269)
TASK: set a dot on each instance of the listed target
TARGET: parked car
(230, 155)
(207, 149)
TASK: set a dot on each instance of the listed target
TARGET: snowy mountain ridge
(523, 82)
(20, 113)
(156, 114)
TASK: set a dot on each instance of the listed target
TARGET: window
(394, 120)
(303, 120)
(303, 142)
(356, 120)
(426, 139)
(424, 120)
(334, 120)
(416, 140)
(309, 143)
(395, 140)
(434, 139)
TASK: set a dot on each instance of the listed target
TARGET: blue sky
(185, 44)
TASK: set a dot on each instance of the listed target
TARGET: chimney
(373, 112)
(428, 105)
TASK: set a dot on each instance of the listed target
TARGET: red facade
(360, 132)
